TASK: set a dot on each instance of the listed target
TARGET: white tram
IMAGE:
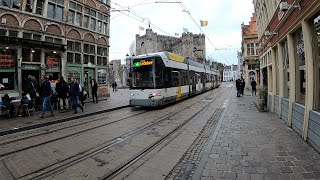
(162, 78)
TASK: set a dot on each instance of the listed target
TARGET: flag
(185, 30)
(176, 34)
(141, 28)
(203, 23)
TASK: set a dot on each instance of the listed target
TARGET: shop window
(102, 76)
(300, 67)
(316, 45)
(286, 72)
(7, 80)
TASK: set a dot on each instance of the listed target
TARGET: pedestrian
(73, 94)
(112, 86)
(46, 92)
(254, 87)
(238, 87)
(115, 86)
(243, 84)
(94, 89)
(62, 94)
(81, 94)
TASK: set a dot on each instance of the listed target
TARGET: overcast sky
(224, 23)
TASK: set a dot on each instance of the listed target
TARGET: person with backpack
(46, 93)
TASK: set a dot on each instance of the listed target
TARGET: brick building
(289, 34)
(54, 38)
(250, 59)
(189, 45)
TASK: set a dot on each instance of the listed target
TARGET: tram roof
(174, 60)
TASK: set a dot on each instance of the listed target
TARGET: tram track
(70, 161)
(114, 142)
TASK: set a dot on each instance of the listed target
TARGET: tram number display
(142, 63)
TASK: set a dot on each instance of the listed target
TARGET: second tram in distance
(162, 78)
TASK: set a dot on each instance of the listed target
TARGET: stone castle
(189, 45)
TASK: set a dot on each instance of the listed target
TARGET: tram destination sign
(143, 63)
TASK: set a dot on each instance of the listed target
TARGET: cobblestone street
(254, 145)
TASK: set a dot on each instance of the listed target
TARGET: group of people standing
(240, 85)
(114, 86)
(65, 93)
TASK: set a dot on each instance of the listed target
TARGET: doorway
(89, 74)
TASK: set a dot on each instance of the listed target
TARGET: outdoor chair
(5, 110)
(27, 108)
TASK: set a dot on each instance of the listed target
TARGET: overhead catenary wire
(141, 19)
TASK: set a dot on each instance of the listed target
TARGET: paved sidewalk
(116, 99)
(254, 145)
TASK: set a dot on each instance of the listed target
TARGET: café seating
(29, 108)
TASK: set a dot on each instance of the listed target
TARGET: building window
(55, 10)
(77, 58)
(90, 18)
(49, 39)
(29, 5)
(27, 36)
(75, 14)
(300, 67)
(15, 4)
(86, 21)
(86, 48)
(85, 59)
(69, 57)
(36, 37)
(74, 47)
(316, 45)
(39, 7)
(250, 49)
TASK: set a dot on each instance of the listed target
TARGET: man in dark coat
(62, 90)
(73, 94)
(254, 87)
(238, 87)
(242, 85)
(46, 92)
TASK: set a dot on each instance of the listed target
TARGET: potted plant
(262, 92)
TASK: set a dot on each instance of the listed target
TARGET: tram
(162, 78)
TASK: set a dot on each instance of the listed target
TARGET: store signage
(30, 67)
(142, 63)
(6, 61)
(53, 62)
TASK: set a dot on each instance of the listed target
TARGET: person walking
(112, 86)
(254, 87)
(243, 85)
(81, 94)
(46, 92)
(94, 89)
(73, 94)
(238, 87)
(115, 86)
(62, 90)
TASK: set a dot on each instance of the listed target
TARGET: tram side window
(160, 72)
(184, 77)
(167, 78)
(175, 78)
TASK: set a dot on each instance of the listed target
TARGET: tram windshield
(143, 74)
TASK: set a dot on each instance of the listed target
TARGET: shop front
(103, 82)
(53, 69)
(30, 69)
(88, 75)
(8, 71)
(74, 70)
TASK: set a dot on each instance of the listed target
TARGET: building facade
(230, 73)
(250, 58)
(115, 72)
(289, 34)
(54, 38)
(189, 45)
